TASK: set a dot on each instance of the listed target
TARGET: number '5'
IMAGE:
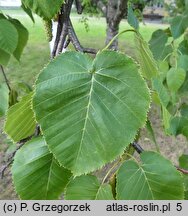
(179, 207)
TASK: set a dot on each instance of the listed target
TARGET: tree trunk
(115, 12)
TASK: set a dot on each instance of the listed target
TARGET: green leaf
(8, 36)
(184, 88)
(161, 91)
(46, 9)
(151, 133)
(4, 57)
(132, 19)
(4, 97)
(178, 25)
(186, 4)
(25, 87)
(13, 97)
(163, 69)
(145, 58)
(85, 108)
(179, 125)
(175, 78)
(166, 52)
(23, 36)
(28, 12)
(183, 163)
(183, 47)
(36, 173)
(2, 16)
(183, 62)
(87, 187)
(184, 110)
(157, 43)
(166, 119)
(153, 179)
(20, 122)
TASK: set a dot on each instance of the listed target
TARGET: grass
(36, 54)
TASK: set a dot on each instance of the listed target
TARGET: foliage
(20, 119)
(44, 8)
(90, 111)
(13, 38)
(155, 179)
(80, 95)
(173, 72)
(39, 169)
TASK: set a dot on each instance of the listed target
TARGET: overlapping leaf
(161, 91)
(184, 88)
(178, 25)
(151, 134)
(147, 63)
(132, 19)
(179, 125)
(46, 9)
(23, 35)
(20, 122)
(175, 78)
(183, 47)
(8, 36)
(88, 187)
(36, 173)
(163, 69)
(183, 62)
(14, 39)
(155, 179)
(157, 43)
(28, 12)
(86, 108)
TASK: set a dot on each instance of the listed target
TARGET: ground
(36, 55)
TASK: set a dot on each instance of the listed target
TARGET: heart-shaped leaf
(86, 108)
(155, 179)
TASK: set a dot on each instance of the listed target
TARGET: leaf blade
(20, 121)
(23, 36)
(37, 175)
(8, 36)
(81, 108)
(155, 179)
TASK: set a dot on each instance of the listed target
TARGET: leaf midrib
(86, 118)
